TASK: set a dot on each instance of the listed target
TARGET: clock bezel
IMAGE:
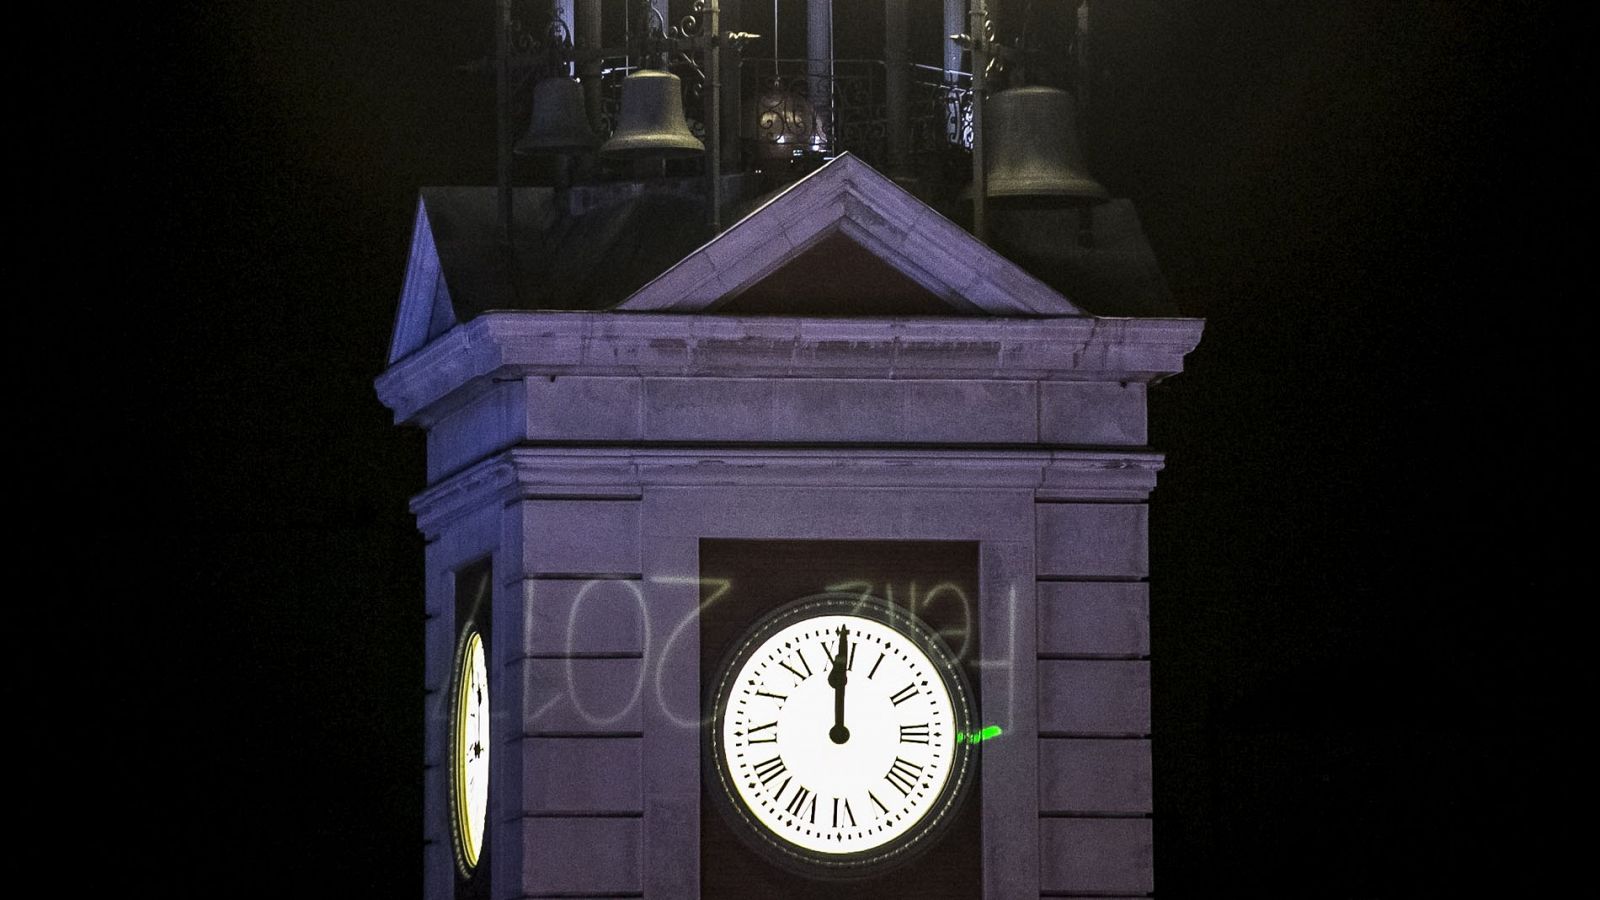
(920, 837)
(467, 864)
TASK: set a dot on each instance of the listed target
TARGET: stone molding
(624, 473)
(471, 357)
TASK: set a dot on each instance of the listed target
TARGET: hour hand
(837, 677)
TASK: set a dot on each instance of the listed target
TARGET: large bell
(651, 122)
(559, 124)
(1031, 149)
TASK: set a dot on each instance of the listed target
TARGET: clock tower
(842, 400)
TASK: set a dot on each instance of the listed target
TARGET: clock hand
(837, 680)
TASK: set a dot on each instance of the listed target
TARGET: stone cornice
(463, 493)
(623, 473)
(509, 345)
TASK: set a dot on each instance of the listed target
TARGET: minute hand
(837, 679)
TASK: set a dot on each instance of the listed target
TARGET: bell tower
(650, 436)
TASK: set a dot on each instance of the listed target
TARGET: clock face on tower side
(470, 752)
(836, 735)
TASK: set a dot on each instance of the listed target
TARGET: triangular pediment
(846, 240)
(836, 277)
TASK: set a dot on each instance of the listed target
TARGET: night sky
(1361, 617)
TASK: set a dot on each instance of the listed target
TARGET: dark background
(1362, 618)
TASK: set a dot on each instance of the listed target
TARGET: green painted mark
(993, 731)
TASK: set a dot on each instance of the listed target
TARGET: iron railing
(830, 107)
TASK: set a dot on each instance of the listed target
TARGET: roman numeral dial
(835, 731)
(470, 753)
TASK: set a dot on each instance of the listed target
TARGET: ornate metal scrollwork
(941, 118)
(689, 25)
(540, 44)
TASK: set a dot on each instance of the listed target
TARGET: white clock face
(471, 763)
(841, 755)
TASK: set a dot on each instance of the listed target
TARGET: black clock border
(942, 812)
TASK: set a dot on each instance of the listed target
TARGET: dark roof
(1111, 273)
(597, 244)
(590, 254)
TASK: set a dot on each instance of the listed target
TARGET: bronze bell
(651, 122)
(786, 124)
(558, 124)
(1031, 149)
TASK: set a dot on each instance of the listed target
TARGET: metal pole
(980, 177)
(561, 11)
(1085, 64)
(819, 62)
(502, 94)
(954, 12)
(731, 12)
(896, 88)
(587, 38)
(713, 119)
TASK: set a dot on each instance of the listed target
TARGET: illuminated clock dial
(470, 751)
(835, 734)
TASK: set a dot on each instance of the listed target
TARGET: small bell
(558, 123)
(651, 122)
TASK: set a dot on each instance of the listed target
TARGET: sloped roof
(845, 241)
(584, 254)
